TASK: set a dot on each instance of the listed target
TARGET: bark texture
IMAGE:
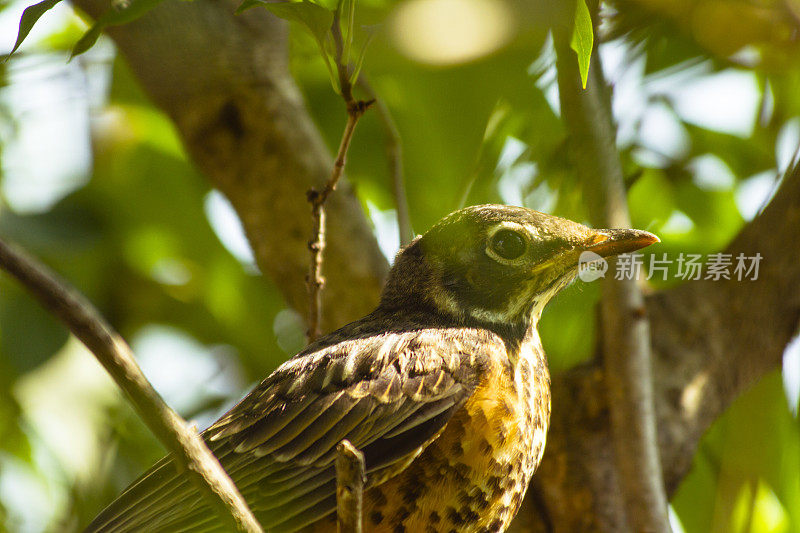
(224, 80)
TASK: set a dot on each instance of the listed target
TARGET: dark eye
(508, 244)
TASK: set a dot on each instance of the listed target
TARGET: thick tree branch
(727, 333)
(711, 341)
(188, 449)
(626, 334)
(224, 80)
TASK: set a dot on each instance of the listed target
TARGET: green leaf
(314, 17)
(753, 447)
(87, 41)
(582, 38)
(328, 4)
(360, 60)
(350, 9)
(28, 19)
(117, 14)
(13, 439)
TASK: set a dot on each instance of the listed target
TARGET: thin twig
(350, 479)
(626, 330)
(316, 246)
(84, 321)
(394, 157)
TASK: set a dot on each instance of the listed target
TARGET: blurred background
(95, 182)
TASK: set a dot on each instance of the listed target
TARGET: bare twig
(317, 199)
(355, 109)
(350, 478)
(626, 333)
(394, 157)
(85, 322)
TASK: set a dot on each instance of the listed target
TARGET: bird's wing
(389, 395)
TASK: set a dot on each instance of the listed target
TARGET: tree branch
(626, 335)
(727, 333)
(224, 80)
(394, 157)
(350, 479)
(188, 449)
(711, 341)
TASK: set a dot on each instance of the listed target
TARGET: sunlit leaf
(312, 16)
(315, 18)
(582, 38)
(360, 61)
(758, 509)
(13, 439)
(753, 449)
(328, 4)
(145, 204)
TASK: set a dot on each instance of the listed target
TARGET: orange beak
(607, 242)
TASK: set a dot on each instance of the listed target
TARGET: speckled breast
(474, 476)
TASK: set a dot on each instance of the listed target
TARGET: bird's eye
(508, 244)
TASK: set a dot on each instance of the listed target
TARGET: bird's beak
(606, 242)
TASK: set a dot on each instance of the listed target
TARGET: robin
(444, 388)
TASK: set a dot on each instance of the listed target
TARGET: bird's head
(498, 264)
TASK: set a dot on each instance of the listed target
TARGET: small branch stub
(350, 479)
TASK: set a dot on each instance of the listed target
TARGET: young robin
(444, 387)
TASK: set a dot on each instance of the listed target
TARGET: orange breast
(473, 477)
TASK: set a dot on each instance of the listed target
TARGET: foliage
(136, 239)
(582, 39)
(118, 13)
(29, 18)
(331, 26)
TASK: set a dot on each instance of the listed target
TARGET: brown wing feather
(389, 394)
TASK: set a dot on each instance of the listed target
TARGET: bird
(444, 388)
